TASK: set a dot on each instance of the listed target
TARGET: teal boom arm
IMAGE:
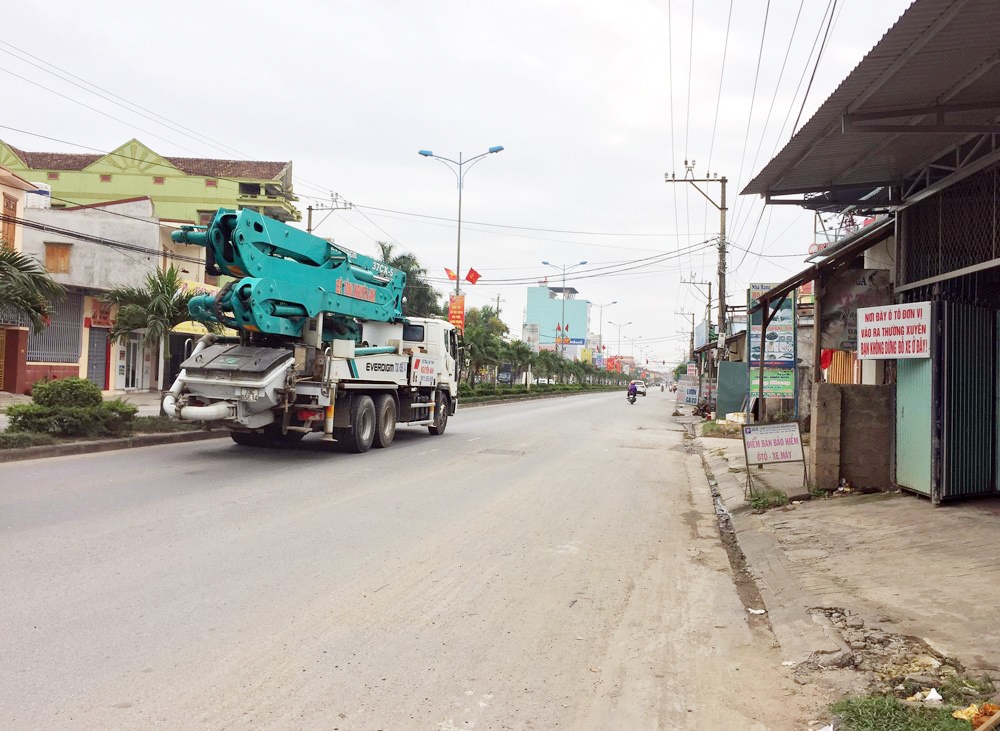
(286, 276)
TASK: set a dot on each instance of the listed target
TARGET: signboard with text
(779, 343)
(456, 311)
(772, 443)
(894, 331)
(778, 383)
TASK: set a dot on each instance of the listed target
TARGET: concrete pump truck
(323, 345)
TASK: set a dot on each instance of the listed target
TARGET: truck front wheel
(385, 420)
(362, 433)
(440, 414)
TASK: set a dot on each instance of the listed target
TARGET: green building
(183, 189)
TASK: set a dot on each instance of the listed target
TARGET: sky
(593, 103)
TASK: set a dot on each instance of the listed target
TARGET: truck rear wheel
(249, 438)
(359, 439)
(385, 420)
(440, 415)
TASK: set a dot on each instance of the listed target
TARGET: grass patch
(162, 425)
(724, 430)
(885, 713)
(763, 498)
(961, 691)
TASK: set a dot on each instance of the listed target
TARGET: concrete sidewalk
(844, 577)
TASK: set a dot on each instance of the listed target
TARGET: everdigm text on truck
(322, 344)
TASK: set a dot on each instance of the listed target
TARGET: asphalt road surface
(542, 565)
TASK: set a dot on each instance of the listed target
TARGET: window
(57, 257)
(52, 176)
(205, 217)
(249, 188)
(211, 183)
(413, 333)
(105, 178)
(159, 180)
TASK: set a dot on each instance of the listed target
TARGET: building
(911, 133)
(14, 328)
(563, 321)
(183, 190)
(89, 250)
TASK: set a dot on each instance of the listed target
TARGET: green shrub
(22, 440)
(107, 419)
(66, 392)
(485, 389)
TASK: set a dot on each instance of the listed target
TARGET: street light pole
(600, 329)
(619, 326)
(460, 178)
(564, 268)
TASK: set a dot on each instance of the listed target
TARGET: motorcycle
(631, 398)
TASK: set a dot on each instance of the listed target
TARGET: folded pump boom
(286, 276)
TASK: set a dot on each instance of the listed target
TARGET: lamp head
(425, 153)
(581, 263)
(498, 148)
(546, 263)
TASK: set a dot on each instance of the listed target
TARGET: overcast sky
(593, 102)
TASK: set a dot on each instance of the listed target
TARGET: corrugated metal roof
(940, 52)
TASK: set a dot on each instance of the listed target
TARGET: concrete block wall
(851, 435)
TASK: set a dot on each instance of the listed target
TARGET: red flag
(558, 329)
(451, 275)
(472, 277)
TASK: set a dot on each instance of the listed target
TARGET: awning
(846, 252)
(919, 112)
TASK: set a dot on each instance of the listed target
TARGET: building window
(211, 183)
(52, 176)
(159, 180)
(249, 188)
(205, 217)
(105, 178)
(57, 257)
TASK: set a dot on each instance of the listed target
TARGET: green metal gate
(913, 424)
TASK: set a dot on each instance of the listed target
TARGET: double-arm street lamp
(619, 326)
(600, 331)
(564, 268)
(456, 167)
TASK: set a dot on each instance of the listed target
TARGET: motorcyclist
(632, 391)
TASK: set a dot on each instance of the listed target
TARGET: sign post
(773, 444)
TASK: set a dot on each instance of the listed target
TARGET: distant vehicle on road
(640, 387)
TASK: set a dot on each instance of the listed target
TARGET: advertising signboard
(456, 311)
(894, 331)
(778, 383)
(779, 348)
(772, 443)
(846, 292)
(529, 334)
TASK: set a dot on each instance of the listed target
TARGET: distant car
(640, 387)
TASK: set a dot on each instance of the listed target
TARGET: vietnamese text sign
(778, 383)
(779, 345)
(894, 331)
(772, 443)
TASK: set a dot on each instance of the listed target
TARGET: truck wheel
(362, 433)
(385, 420)
(440, 415)
(248, 438)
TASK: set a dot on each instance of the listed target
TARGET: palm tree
(158, 307)
(26, 288)
(419, 298)
(519, 354)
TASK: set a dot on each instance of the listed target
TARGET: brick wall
(851, 435)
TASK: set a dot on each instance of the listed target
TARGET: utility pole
(336, 204)
(682, 313)
(708, 305)
(721, 206)
(498, 305)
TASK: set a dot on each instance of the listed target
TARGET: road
(542, 565)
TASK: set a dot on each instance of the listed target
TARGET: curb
(139, 440)
(802, 635)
